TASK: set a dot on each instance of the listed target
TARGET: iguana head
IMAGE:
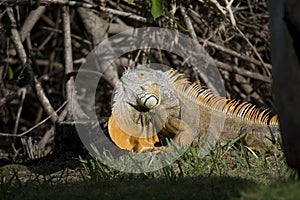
(140, 88)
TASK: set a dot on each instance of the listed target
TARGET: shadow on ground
(183, 188)
(77, 185)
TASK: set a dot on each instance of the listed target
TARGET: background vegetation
(43, 43)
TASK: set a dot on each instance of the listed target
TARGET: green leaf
(156, 8)
(130, 1)
(10, 73)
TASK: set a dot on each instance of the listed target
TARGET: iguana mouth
(139, 108)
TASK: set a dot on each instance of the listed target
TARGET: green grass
(228, 172)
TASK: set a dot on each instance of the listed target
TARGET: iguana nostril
(142, 74)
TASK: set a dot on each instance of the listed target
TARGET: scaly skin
(151, 105)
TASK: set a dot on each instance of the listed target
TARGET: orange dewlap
(128, 142)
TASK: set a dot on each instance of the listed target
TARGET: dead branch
(188, 23)
(255, 51)
(68, 59)
(35, 126)
(233, 53)
(243, 72)
(97, 27)
(23, 57)
(31, 20)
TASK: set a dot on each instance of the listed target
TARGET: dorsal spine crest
(205, 97)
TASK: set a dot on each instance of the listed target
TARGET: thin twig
(16, 94)
(219, 7)
(243, 72)
(73, 36)
(130, 15)
(255, 51)
(93, 6)
(23, 93)
(35, 126)
(231, 16)
(234, 53)
(123, 14)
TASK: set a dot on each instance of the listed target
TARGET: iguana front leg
(179, 130)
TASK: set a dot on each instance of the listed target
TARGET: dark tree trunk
(285, 52)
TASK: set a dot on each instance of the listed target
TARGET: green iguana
(150, 105)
